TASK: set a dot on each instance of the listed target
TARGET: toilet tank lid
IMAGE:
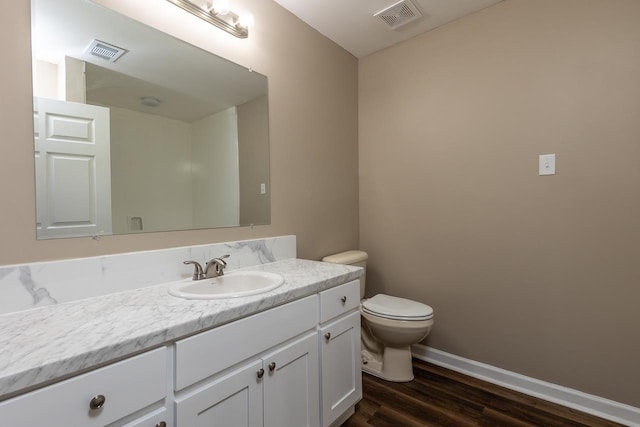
(348, 257)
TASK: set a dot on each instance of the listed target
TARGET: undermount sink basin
(232, 285)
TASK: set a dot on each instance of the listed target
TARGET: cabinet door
(340, 369)
(291, 388)
(233, 400)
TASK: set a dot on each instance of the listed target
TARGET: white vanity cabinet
(294, 365)
(274, 385)
(339, 336)
(112, 395)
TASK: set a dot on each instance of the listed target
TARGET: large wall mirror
(136, 131)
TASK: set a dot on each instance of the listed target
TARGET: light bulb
(246, 21)
(220, 7)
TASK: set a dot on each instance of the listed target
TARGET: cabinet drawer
(152, 419)
(127, 386)
(208, 353)
(339, 300)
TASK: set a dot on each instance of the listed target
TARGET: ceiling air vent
(399, 14)
(105, 51)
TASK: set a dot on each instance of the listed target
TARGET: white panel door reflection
(73, 180)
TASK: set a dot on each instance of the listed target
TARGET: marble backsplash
(27, 286)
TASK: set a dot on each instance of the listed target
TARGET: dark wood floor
(440, 397)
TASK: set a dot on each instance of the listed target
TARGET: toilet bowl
(390, 325)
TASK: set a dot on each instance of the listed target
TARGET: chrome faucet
(214, 268)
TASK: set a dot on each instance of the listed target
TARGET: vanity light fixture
(217, 13)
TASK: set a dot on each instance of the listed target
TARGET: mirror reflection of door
(73, 182)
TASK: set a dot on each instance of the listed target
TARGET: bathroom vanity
(288, 357)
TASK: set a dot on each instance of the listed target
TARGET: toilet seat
(395, 308)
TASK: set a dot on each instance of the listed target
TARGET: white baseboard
(604, 408)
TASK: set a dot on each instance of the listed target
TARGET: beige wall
(312, 83)
(538, 275)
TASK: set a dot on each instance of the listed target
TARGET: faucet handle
(217, 264)
(198, 273)
(218, 261)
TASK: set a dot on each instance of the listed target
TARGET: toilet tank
(357, 258)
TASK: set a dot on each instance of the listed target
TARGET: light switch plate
(263, 188)
(547, 164)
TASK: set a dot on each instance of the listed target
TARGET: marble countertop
(42, 345)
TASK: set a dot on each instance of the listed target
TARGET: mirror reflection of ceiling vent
(105, 51)
(399, 14)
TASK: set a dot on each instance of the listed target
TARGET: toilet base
(395, 364)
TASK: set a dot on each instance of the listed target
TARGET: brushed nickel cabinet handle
(327, 336)
(260, 373)
(344, 299)
(97, 402)
(272, 366)
(161, 424)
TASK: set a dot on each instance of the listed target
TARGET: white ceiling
(351, 24)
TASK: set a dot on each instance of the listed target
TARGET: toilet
(390, 325)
